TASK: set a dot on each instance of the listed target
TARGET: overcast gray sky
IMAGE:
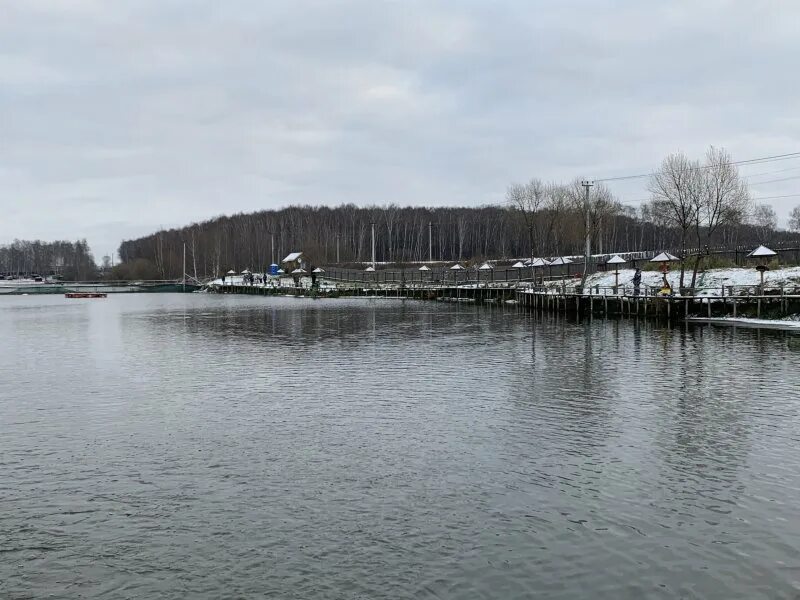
(118, 117)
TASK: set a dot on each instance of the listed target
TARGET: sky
(121, 117)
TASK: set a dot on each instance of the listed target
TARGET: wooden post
(783, 302)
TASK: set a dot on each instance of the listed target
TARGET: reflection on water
(204, 446)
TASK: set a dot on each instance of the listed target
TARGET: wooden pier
(728, 301)
(739, 301)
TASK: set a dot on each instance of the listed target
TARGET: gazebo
(616, 260)
(664, 259)
(423, 269)
(455, 269)
(762, 253)
(559, 262)
(485, 267)
(538, 262)
(519, 265)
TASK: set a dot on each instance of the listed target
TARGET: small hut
(295, 260)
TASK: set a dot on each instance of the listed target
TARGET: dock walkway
(739, 301)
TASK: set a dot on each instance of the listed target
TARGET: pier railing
(712, 292)
(774, 301)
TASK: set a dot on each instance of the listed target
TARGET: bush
(140, 268)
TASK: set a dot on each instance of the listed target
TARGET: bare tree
(528, 200)
(675, 188)
(794, 219)
(601, 205)
(765, 220)
(723, 199)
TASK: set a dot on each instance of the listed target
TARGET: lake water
(203, 446)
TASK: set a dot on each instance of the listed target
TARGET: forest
(694, 205)
(69, 260)
(343, 235)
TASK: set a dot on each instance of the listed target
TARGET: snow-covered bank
(709, 283)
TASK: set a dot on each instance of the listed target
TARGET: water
(171, 446)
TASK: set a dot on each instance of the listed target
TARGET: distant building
(295, 260)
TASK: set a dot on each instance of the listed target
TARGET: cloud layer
(120, 117)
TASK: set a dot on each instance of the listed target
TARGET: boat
(85, 295)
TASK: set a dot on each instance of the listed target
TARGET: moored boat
(85, 295)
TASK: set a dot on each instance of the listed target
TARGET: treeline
(402, 235)
(694, 205)
(343, 234)
(70, 260)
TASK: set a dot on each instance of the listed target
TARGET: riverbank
(29, 287)
(710, 283)
(726, 294)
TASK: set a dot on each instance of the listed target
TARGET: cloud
(118, 118)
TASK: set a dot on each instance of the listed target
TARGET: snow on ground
(709, 283)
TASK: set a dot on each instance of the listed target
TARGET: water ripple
(177, 446)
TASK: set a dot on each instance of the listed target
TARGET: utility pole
(533, 269)
(337, 248)
(272, 248)
(373, 245)
(184, 266)
(430, 241)
(587, 207)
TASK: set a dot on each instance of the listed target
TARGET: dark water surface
(169, 446)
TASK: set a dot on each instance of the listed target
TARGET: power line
(776, 180)
(776, 197)
(754, 199)
(748, 176)
(763, 159)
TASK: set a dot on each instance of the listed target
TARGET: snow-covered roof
(424, 268)
(456, 267)
(664, 257)
(246, 272)
(539, 262)
(298, 272)
(292, 257)
(231, 272)
(485, 267)
(318, 270)
(762, 251)
(281, 271)
(370, 268)
(561, 260)
(616, 260)
(518, 265)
